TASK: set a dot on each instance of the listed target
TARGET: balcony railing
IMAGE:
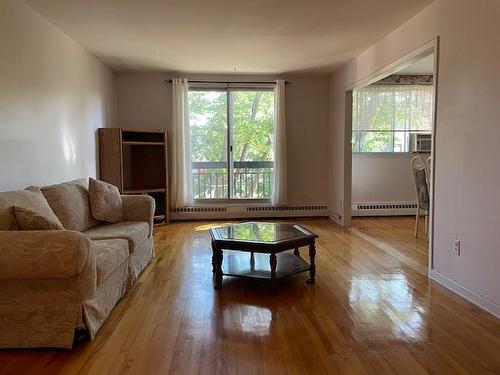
(251, 180)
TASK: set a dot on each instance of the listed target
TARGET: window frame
(228, 88)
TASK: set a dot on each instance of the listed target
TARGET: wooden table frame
(272, 248)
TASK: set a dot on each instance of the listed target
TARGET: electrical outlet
(456, 247)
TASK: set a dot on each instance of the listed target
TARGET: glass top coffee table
(260, 250)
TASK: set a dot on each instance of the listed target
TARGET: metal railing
(250, 180)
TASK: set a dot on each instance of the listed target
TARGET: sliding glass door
(232, 143)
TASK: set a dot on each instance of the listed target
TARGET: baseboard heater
(237, 211)
(384, 209)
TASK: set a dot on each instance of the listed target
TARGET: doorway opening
(390, 120)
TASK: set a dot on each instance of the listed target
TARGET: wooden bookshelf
(135, 161)
(142, 191)
(143, 143)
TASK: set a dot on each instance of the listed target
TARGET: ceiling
(423, 66)
(227, 36)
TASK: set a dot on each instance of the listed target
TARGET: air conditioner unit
(420, 142)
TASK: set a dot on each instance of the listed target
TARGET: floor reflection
(254, 319)
(249, 311)
(389, 304)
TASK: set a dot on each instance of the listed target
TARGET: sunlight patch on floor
(392, 251)
(206, 227)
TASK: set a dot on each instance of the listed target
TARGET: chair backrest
(428, 170)
(419, 172)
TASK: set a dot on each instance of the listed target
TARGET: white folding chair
(420, 173)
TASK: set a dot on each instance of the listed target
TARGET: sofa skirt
(97, 309)
(140, 258)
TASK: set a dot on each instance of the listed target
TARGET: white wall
(144, 101)
(53, 96)
(384, 177)
(467, 176)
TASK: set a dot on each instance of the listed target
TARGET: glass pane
(253, 150)
(401, 141)
(402, 107)
(208, 122)
(375, 142)
(383, 113)
(356, 141)
(413, 108)
(262, 232)
(373, 109)
(421, 104)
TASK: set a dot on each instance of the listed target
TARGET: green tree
(253, 118)
(207, 118)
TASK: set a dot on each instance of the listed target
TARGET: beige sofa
(56, 281)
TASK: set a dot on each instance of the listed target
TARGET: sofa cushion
(109, 254)
(70, 202)
(105, 201)
(30, 198)
(135, 232)
(31, 220)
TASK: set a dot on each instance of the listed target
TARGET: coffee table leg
(273, 261)
(296, 251)
(214, 260)
(312, 266)
(252, 261)
(217, 266)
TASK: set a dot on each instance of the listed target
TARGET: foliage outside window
(385, 116)
(232, 143)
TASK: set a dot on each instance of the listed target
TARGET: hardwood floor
(372, 311)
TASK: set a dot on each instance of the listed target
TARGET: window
(385, 116)
(232, 143)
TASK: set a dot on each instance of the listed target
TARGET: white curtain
(181, 184)
(279, 186)
(385, 115)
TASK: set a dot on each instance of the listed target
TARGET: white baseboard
(242, 211)
(384, 208)
(469, 295)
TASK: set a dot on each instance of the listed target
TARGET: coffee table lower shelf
(240, 264)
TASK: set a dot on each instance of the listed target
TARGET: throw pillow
(105, 201)
(31, 198)
(70, 202)
(27, 219)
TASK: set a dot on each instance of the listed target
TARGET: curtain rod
(236, 82)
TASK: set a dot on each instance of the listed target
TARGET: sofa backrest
(30, 198)
(70, 202)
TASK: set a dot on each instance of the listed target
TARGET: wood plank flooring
(372, 311)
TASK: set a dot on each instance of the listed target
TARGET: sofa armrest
(46, 254)
(139, 208)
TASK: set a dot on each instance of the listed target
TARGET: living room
(153, 152)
